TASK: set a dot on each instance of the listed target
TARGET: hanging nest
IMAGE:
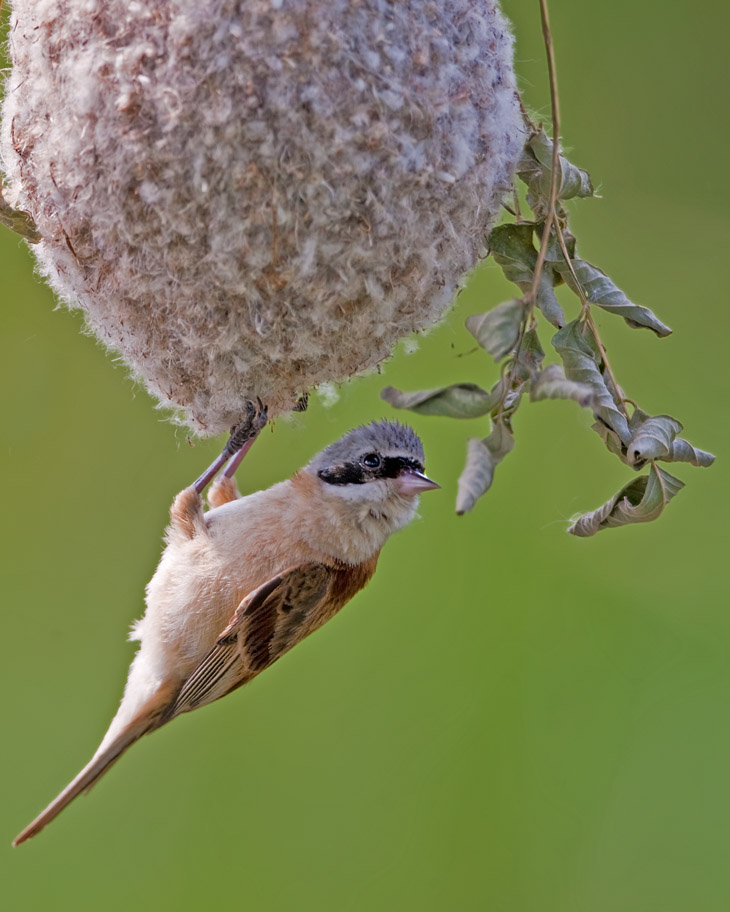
(250, 197)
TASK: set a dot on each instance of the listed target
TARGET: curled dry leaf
(513, 250)
(683, 451)
(584, 365)
(652, 438)
(498, 329)
(476, 477)
(585, 376)
(643, 500)
(573, 181)
(460, 400)
(553, 384)
(482, 457)
(599, 289)
(535, 170)
(545, 299)
(18, 220)
(611, 439)
(529, 357)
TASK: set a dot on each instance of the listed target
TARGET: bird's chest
(212, 579)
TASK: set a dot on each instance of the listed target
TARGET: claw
(301, 404)
(256, 418)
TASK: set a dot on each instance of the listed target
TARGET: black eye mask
(357, 473)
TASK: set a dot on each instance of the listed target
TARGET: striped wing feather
(267, 623)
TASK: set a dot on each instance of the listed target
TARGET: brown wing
(267, 623)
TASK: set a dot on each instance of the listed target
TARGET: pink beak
(412, 482)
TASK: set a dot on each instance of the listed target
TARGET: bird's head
(375, 465)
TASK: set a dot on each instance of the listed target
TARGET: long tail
(94, 770)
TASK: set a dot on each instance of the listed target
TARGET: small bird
(240, 584)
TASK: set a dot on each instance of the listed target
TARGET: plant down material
(250, 197)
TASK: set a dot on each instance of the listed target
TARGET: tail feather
(91, 773)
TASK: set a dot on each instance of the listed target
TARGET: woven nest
(248, 198)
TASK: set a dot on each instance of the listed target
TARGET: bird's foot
(248, 428)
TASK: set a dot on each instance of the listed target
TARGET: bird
(242, 582)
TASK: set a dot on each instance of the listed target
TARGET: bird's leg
(236, 461)
(224, 488)
(239, 443)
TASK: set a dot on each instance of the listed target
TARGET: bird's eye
(372, 460)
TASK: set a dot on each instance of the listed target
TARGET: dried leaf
(585, 376)
(600, 290)
(683, 451)
(584, 365)
(460, 400)
(483, 456)
(643, 500)
(19, 221)
(497, 330)
(535, 169)
(652, 438)
(553, 384)
(512, 248)
(476, 477)
(678, 451)
(530, 356)
(573, 182)
(611, 439)
(545, 299)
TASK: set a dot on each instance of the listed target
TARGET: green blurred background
(508, 718)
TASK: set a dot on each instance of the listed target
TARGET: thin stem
(585, 303)
(530, 297)
(551, 220)
(555, 111)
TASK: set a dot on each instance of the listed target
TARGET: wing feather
(266, 624)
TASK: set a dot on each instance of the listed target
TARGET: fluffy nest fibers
(250, 197)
